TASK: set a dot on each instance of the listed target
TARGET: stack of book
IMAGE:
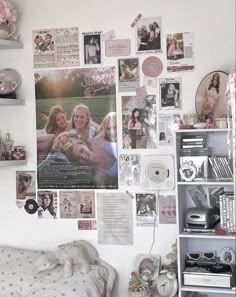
(194, 145)
(193, 141)
(227, 212)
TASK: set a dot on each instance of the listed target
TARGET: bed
(17, 278)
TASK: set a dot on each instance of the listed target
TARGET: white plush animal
(78, 252)
(66, 255)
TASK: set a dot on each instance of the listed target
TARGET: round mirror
(210, 97)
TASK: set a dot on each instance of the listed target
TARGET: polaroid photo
(146, 209)
(129, 75)
(149, 35)
(92, 48)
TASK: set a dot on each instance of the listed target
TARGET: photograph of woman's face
(80, 119)
(61, 121)
(136, 113)
(59, 142)
(82, 153)
(46, 200)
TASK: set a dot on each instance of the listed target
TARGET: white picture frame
(147, 267)
(227, 256)
(188, 171)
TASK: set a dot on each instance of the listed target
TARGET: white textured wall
(213, 24)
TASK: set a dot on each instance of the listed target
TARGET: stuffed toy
(66, 255)
(172, 257)
(210, 124)
(78, 252)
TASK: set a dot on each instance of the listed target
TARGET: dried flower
(8, 12)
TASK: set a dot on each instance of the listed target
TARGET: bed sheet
(18, 280)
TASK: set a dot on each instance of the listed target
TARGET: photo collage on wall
(77, 116)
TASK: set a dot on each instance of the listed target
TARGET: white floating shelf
(6, 163)
(10, 44)
(202, 130)
(206, 236)
(8, 102)
(208, 290)
(207, 183)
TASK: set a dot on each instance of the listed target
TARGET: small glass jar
(190, 119)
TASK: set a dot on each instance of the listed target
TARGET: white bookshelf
(200, 242)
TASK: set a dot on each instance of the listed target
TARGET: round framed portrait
(188, 171)
(227, 256)
(210, 99)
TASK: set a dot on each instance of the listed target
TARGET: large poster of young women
(76, 128)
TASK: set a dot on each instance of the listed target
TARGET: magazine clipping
(115, 218)
(76, 128)
(149, 35)
(146, 209)
(170, 93)
(47, 204)
(87, 225)
(25, 187)
(180, 52)
(167, 209)
(128, 73)
(77, 204)
(167, 124)
(56, 47)
(129, 166)
(139, 127)
(92, 48)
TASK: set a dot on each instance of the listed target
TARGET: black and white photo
(170, 93)
(92, 48)
(149, 34)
